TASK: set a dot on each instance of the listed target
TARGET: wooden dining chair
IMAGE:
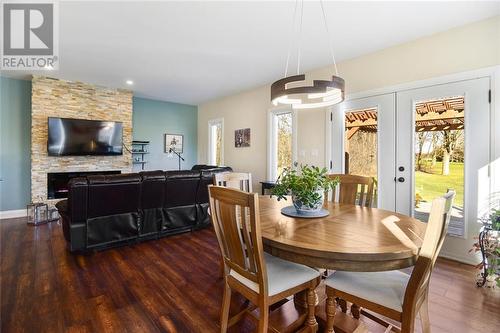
(353, 189)
(238, 180)
(395, 294)
(261, 278)
(349, 187)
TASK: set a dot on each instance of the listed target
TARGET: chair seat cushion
(281, 275)
(384, 288)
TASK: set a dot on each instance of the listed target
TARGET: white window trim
(211, 123)
(272, 145)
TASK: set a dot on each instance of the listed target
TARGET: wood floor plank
(168, 285)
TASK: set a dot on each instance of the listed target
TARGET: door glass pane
(361, 147)
(284, 141)
(439, 157)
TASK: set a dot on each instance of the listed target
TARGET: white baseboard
(470, 260)
(10, 214)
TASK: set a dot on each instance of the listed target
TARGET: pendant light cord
(330, 40)
(300, 36)
(290, 42)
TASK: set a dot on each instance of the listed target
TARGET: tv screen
(84, 137)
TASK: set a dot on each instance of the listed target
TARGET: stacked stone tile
(59, 98)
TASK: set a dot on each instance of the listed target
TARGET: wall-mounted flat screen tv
(84, 137)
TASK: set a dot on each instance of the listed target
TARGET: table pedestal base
(291, 316)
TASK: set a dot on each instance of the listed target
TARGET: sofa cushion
(152, 175)
(152, 200)
(152, 189)
(203, 167)
(114, 194)
(178, 174)
(181, 188)
(114, 179)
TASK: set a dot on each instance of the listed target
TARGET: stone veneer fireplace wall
(59, 98)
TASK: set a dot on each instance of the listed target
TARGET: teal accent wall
(152, 119)
(15, 143)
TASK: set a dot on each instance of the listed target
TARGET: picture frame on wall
(242, 138)
(174, 142)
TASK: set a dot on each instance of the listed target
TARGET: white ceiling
(190, 52)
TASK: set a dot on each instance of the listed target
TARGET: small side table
(267, 185)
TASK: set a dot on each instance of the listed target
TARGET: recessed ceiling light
(129, 82)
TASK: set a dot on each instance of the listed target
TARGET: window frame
(210, 158)
(272, 144)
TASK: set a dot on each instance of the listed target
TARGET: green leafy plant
(495, 219)
(306, 185)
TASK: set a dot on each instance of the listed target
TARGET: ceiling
(191, 52)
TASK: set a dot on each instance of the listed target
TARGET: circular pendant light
(294, 90)
(320, 94)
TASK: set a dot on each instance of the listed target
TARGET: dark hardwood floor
(166, 285)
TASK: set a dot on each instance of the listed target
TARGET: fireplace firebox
(57, 182)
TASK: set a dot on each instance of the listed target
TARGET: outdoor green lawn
(431, 185)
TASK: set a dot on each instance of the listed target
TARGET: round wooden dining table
(350, 238)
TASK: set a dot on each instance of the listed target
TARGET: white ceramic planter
(306, 209)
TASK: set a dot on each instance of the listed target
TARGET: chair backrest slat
(349, 188)
(238, 180)
(235, 216)
(230, 229)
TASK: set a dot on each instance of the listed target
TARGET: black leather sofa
(108, 210)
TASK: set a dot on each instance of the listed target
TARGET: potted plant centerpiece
(306, 187)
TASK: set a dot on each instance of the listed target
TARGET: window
(282, 141)
(216, 142)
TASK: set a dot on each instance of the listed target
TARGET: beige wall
(464, 48)
(458, 50)
(246, 110)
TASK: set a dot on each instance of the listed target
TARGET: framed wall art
(242, 138)
(174, 142)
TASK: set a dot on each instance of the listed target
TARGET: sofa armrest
(62, 207)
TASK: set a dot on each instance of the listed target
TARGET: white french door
(450, 121)
(376, 136)
(419, 143)
(363, 135)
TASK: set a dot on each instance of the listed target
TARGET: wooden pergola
(435, 115)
